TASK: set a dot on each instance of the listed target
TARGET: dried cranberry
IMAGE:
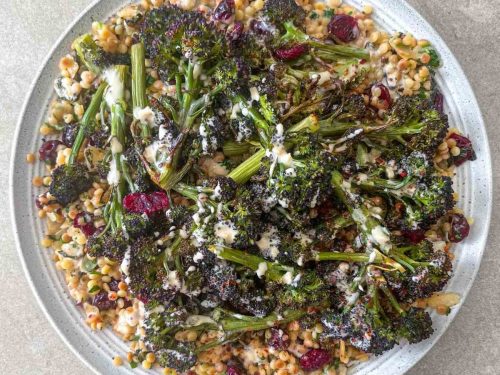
(102, 302)
(84, 222)
(291, 53)
(438, 102)
(278, 340)
(415, 235)
(98, 139)
(344, 28)
(224, 11)
(235, 31)
(466, 149)
(39, 204)
(48, 151)
(232, 370)
(69, 134)
(143, 203)
(260, 27)
(459, 228)
(384, 99)
(315, 359)
(113, 285)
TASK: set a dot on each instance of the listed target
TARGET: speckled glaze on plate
(473, 183)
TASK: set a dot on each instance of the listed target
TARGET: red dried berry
(69, 134)
(235, 31)
(466, 149)
(438, 102)
(48, 151)
(315, 359)
(102, 302)
(278, 340)
(414, 236)
(224, 11)
(291, 53)
(85, 223)
(384, 99)
(460, 228)
(344, 28)
(231, 370)
(142, 203)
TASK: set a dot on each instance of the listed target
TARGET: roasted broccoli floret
(72, 179)
(68, 182)
(415, 325)
(428, 271)
(161, 324)
(137, 225)
(93, 56)
(331, 52)
(278, 11)
(148, 278)
(181, 357)
(107, 245)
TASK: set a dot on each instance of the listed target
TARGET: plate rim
(31, 92)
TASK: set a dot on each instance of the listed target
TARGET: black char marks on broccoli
(415, 325)
(137, 225)
(278, 11)
(221, 278)
(68, 182)
(107, 245)
(431, 270)
(147, 274)
(170, 34)
(161, 324)
(180, 358)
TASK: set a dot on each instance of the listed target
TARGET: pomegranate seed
(315, 359)
(460, 228)
(466, 149)
(291, 53)
(344, 28)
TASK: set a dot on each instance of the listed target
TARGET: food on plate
(252, 188)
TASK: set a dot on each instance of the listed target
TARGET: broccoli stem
(275, 271)
(379, 258)
(243, 172)
(310, 123)
(240, 323)
(262, 125)
(233, 148)
(332, 51)
(118, 140)
(139, 99)
(86, 122)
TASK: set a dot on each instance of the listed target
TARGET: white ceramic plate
(474, 184)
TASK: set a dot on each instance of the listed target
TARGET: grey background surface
(29, 345)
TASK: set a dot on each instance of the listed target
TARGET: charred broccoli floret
(137, 225)
(148, 278)
(107, 245)
(278, 11)
(428, 271)
(181, 357)
(415, 325)
(94, 57)
(68, 182)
